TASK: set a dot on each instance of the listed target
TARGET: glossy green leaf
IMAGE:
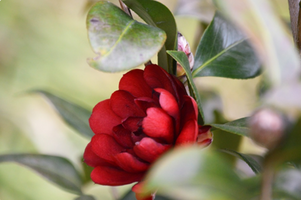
(85, 197)
(120, 42)
(268, 35)
(239, 127)
(57, 170)
(181, 58)
(249, 159)
(191, 173)
(158, 15)
(74, 115)
(224, 52)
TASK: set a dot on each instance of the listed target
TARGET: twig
(267, 180)
(295, 15)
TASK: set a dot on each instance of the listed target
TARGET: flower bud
(184, 46)
(267, 128)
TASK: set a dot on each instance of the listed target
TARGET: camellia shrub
(154, 132)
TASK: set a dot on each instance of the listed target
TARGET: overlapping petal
(92, 159)
(113, 176)
(189, 133)
(105, 147)
(122, 103)
(134, 83)
(158, 124)
(148, 149)
(130, 163)
(103, 119)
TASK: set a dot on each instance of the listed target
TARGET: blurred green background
(44, 45)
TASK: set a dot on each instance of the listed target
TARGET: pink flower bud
(184, 46)
(267, 128)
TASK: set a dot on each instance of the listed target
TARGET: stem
(266, 184)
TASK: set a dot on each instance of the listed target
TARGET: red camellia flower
(149, 114)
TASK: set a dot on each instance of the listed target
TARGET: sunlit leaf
(156, 14)
(55, 169)
(120, 42)
(239, 126)
(181, 58)
(249, 159)
(74, 115)
(268, 35)
(224, 51)
(191, 173)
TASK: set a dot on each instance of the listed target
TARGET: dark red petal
(103, 119)
(189, 111)
(144, 103)
(189, 133)
(158, 124)
(104, 175)
(149, 150)
(168, 102)
(123, 136)
(106, 147)
(129, 163)
(132, 123)
(134, 83)
(180, 90)
(156, 77)
(138, 190)
(91, 159)
(170, 105)
(122, 103)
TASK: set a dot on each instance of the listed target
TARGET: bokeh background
(44, 45)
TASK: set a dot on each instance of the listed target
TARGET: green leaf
(57, 170)
(85, 197)
(191, 173)
(269, 37)
(120, 42)
(74, 115)
(158, 15)
(224, 52)
(239, 127)
(181, 58)
(249, 159)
